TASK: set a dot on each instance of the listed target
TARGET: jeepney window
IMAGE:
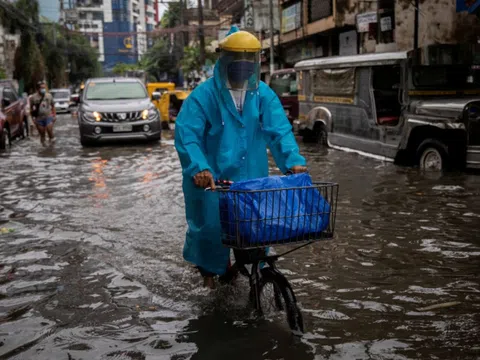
(446, 76)
(334, 82)
(386, 86)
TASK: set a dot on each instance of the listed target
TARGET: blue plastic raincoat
(210, 134)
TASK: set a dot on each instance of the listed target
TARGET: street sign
(71, 15)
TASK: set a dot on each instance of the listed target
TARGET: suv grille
(121, 116)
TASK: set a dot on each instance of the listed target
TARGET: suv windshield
(61, 94)
(284, 84)
(451, 77)
(115, 91)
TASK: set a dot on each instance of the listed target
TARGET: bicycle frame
(255, 275)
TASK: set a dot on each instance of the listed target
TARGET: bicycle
(263, 268)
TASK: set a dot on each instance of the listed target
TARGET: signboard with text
(292, 17)
(363, 21)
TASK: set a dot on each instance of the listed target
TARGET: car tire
(5, 139)
(85, 142)
(432, 155)
(25, 129)
(156, 138)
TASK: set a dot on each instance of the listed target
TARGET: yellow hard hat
(240, 41)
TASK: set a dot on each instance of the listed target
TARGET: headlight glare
(97, 116)
(92, 116)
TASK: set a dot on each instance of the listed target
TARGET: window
(386, 87)
(340, 82)
(97, 15)
(284, 84)
(454, 77)
(61, 95)
(9, 96)
(319, 9)
(115, 91)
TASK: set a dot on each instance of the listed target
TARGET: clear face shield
(240, 70)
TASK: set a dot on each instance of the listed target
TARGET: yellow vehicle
(155, 92)
(170, 104)
(159, 88)
(167, 100)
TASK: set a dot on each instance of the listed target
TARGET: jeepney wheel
(321, 135)
(432, 155)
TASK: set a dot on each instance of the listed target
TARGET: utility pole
(415, 25)
(182, 23)
(201, 34)
(272, 60)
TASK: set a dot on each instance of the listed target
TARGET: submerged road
(91, 263)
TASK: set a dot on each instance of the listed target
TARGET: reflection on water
(100, 190)
(93, 268)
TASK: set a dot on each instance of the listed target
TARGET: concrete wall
(438, 23)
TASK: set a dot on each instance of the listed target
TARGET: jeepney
(419, 108)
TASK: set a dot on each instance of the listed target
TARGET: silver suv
(113, 109)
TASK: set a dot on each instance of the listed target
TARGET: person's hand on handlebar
(298, 169)
(204, 179)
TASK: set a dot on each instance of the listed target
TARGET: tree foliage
(191, 59)
(47, 51)
(121, 68)
(3, 73)
(23, 17)
(159, 61)
(171, 16)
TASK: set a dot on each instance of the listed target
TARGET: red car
(284, 83)
(13, 119)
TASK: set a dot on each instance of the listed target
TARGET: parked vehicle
(117, 109)
(62, 99)
(75, 99)
(284, 83)
(13, 119)
(171, 103)
(157, 90)
(420, 107)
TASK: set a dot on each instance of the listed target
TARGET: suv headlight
(92, 116)
(149, 113)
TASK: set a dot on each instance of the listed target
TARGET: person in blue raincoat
(222, 132)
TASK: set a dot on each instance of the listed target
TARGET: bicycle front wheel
(276, 296)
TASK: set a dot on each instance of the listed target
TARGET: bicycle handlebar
(225, 184)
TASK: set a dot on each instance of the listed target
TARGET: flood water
(92, 267)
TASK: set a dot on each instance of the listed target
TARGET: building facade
(318, 28)
(118, 29)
